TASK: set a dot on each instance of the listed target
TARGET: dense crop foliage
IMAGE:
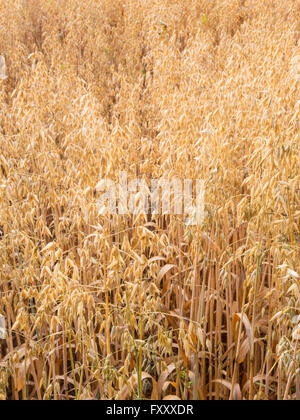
(127, 306)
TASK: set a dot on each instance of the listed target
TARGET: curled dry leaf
(235, 323)
(244, 349)
(163, 378)
(21, 375)
(257, 379)
(163, 272)
(236, 394)
(131, 387)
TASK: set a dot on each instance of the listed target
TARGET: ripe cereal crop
(101, 305)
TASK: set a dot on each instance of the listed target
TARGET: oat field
(147, 306)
